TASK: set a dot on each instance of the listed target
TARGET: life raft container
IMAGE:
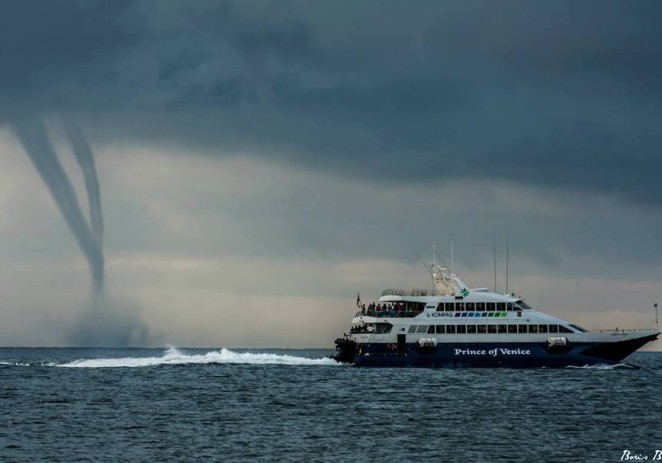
(429, 343)
(557, 345)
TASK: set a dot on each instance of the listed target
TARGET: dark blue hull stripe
(516, 355)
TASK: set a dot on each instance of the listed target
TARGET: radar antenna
(427, 267)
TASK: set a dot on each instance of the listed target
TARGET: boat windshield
(523, 305)
(577, 327)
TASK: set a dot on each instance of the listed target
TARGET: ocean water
(199, 405)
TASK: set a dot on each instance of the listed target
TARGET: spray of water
(108, 322)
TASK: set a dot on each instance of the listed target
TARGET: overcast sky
(260, 162)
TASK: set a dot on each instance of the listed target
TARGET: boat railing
(624, 331)
(417, 292)
(392, 313)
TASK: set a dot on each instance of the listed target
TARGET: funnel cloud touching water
(103, 321)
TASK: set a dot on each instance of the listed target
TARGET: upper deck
(400, 303)
(441, 295)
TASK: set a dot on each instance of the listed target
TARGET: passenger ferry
(454, 326)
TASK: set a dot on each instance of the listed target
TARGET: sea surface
(199, 405)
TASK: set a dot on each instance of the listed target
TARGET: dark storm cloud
(558, 93)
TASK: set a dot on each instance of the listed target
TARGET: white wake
(15, 364)
(174, 357)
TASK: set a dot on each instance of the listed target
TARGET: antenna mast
(495, 263)
(507, 253)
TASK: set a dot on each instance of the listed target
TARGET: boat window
(491, 306)
(461, 329)
(441, 329)
(533, 328)
(431, 329)
(471, 329)
(542, 328)
(359, 328)
(470, 306)
(491, 314)
(482, 329)
(440, 307)
(450, 307)
(491, 329)
(412, 329)
(564, 329)
(459, 306)
(450, 329)
(553, 328)
(502, 329)
(414, 308)
(383, 328)
(422, 329)
(523, 305)
(501, 306)
(578, 328)
(512, 328)
(509, 306)
(522, 329)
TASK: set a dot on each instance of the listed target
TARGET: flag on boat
(358, 299)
